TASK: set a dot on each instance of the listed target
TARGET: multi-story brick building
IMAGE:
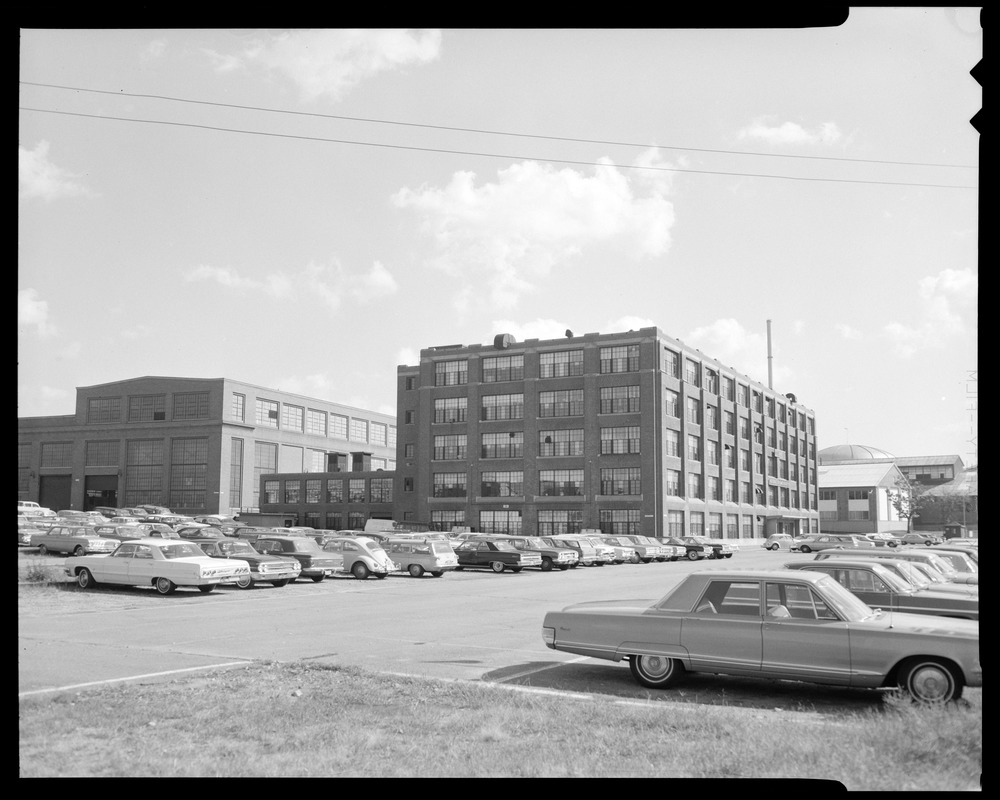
(629, 432)
(191, 444)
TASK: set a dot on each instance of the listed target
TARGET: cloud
(332, 62)
(731, 344)
(408, 356)
(846, 331)
(766, 129)
(33, 312)
(37, 177)
(329, 284)
(154, 50)
(509, 234)
(946, 300)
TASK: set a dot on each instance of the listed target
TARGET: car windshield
(844, 602)
(181, 550)
(535, 542)
(501, 545)
(236, 547)
(913, 575)
(305, 545)
(942, 565)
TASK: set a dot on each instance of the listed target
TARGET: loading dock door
(100, 490)
(54, 491)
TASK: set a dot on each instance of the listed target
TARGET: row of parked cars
(816, 541)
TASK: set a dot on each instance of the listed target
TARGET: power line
(497, 133)
(488, 155)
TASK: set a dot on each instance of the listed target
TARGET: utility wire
(495, 133)
(488, 155)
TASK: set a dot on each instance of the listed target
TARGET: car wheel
(244, 582)
(207, 589)
(381, 575)
(546, 564)
(459, 569)
(85, 579)
(729, 555)
(655, 672)
(43, 550)
(416, 570)
(635, 558)
(164, 586)
(497, 566)
(79, 550)
(360, 571)
(773, 546)
(318, 578)
(515, 570)
(564, 567)
(692, 555)
(279, 584)
(929, 680)
(805, 549)
(437, 574)
(928, 544)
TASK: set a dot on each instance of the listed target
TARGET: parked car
(874, 583)
(962, 562)
(162, 563)
(603, 554)
(927, 557)
(122, 520)
(553, 557)
(925, 539)
(625, 552)
(252, 533)
(157, 530)
(149, 508)
(120, 533)
(316, 563)
(643, 552)
(30, 508)
(76, 539)
(199, 532)
(264, 568)
(219, 520)
(362, 555)
(825, 541)
(25, 528)
(668, 552)
(720, 549)
(497, 555)
(81, 517)
(694, 551)
(883, 539)
(586, 553)
(924, 576)
(779, 624)
(110, 511)
(781, 541)
(949, 546)
(422, 556)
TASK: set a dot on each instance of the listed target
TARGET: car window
(124, 551)
(731, 597)
(799, 600)
(143, 551)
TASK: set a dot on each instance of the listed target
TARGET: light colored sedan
(164, 564)
(820, 541)
(76, 539)
(778, 624)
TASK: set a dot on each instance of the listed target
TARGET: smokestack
(770, 371)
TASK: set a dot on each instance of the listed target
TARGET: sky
(306, 209)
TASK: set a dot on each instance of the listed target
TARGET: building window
(693, 448)
(451, 373)
(712, 453)
(292, 417)
(758, 402)
(314, 490)
(334, 521)
(746, 495)
(311, 519)
(828, 494)
(265, 462)
(267, 413)
(711, 381)
(561, 443)
(671, 363)
(502, 484)
(781, 413)
(714, 526)
(772, 495)
(694, 485)
(356, 490)
(747, 526)
(729, 422)
(449, 484)
(359, 430)
(57, 454)
(697, 523)
(624, 358)
(409, 450)
(506, 444)
(445, 520)
(147, 408)
(857, 514)
(556, 523)
(508, 522)
(450, 409)
(692, 372)
(567, 403)
(712, 418)
(675, 523)
(407, 485)
(784, 497)
(293, 491)
(356, 520)
(730, 491)
(378, 433)
(316, 422)
(335, 491)
(728, 388)
(616, 441)
(745, 460)
(692, 407)
(560, 482)
(769, 404)
(102, 454)
(730, 452)
(713, 488)
(828, 514)
(672, 404)
(188, 473)
(236, 474)
(743, 395)
(744, 428)
(620, 522)
(671, 440)
(672, 483)
(381, 490)
(503, 368)
(238, 407)
(408, 417)
(271, 491)
(411, 384)
(104, 409)
(191, 405)
(338, 426)
(621, 481)
(391, 438)
(560, 364)
(857, 494)
(450, 448)
(732, 526)
(144, 471)
(617, 400)
(502, 406)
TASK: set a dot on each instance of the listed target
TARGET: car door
(114, 568)
(143, 566)
(802, 636)
(724, 632)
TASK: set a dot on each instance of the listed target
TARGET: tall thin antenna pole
(770, 371)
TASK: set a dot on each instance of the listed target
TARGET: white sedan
(164, 564)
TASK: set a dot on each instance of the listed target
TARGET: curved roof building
(851, 452)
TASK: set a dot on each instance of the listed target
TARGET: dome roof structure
(851, 452)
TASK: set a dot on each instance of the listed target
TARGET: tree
(906, 499)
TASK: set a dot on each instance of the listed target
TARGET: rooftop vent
(503, 340)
